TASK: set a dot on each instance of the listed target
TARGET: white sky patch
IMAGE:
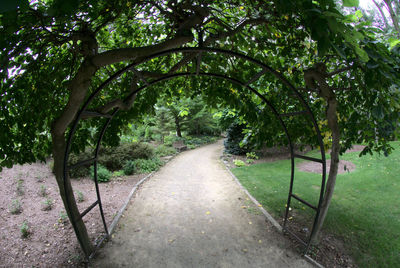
(369, 4)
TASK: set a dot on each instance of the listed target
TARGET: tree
(163, 123)
(54, 54)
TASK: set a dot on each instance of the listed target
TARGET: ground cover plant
(365, 211)
(48, 233)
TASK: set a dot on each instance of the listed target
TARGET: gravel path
(193, 214)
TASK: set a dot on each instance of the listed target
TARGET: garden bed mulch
(52, 241)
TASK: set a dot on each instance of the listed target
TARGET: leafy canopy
(52, 51)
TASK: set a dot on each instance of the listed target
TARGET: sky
(366, 3)
(369, 4)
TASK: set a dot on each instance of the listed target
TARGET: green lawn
(365, 210)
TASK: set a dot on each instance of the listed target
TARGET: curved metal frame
(201, 50)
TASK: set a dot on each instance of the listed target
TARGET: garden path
(192, 213)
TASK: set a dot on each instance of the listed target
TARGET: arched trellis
(306, 111)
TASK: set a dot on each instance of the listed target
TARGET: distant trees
(176, 116)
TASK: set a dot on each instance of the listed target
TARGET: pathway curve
(193, 214)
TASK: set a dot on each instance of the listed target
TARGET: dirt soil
(205, 220)
(344, 166)
(193, 214)
(51, 242)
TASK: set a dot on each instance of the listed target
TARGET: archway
(302, 110)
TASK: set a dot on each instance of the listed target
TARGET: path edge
(99, 241)
(128, 199)
(264, 212)
(259, 206)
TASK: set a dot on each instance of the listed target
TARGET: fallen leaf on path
(208, 213)
(259, 205)
(244, 250)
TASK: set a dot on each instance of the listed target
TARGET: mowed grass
(365, 210)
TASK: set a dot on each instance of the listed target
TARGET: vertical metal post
(95, 169)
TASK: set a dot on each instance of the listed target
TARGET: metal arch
(265, 68)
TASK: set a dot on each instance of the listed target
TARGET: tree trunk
(394, 17)
(59, 146)
(178, 127)
(315, 79)
(78, 88)
(334, 165)
(382, 14)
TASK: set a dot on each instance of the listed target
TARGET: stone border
(99, 242)
(122, 209)
(114, 223)
(266, 214)
(259, 206)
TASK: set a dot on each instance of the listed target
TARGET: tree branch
(214, 38)
(338, 71)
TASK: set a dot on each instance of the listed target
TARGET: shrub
(63, 217)
(129, 167)
(162, 150)
(192, 146)
(238, 163)
(234, 135)
(103, 174)
(47, 204)
(39, 178)
(252, 155)
(15, 207)
(25, 232)
(147, 165)
(250, 161)
(196, 141)
(113, 158)
(118, 173)
(79, 196)
(43, 190)
(20, 187)
(170, 139)
(81, 171)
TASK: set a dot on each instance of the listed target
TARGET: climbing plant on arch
(55, 54)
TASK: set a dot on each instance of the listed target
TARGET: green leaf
(183, 113)
(393, 42)
(350, 3)
(362, 54)
(359, 14)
